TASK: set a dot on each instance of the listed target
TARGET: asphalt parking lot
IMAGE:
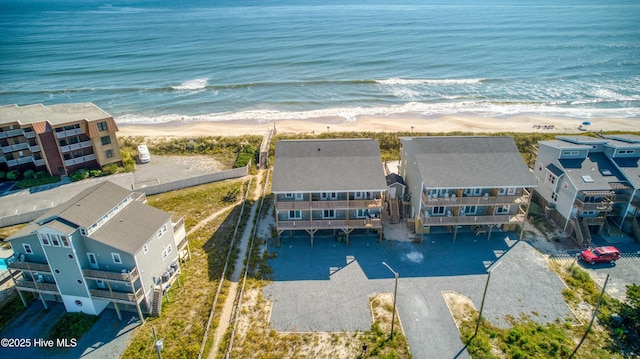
(108, 338)
(161, 169)
(327, 287)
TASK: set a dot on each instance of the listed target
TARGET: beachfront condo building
(334, 185)
(59, 139)
(105, 247)
(474, 184)
(590, 184)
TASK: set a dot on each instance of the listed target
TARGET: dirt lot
(163, 169)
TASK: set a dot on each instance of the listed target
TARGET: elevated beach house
(465, 183)
(335, 184)
(59, 139)
(103, 247)
(589, 184)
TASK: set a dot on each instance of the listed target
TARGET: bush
(72, 325)
(28, 174)
(109, 169)
(42, 174)
(246, 154)
(27, 183)
(79, 175)
(3, 174)
(13, 175)
(95, 173)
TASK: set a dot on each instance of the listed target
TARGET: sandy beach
(404, 123)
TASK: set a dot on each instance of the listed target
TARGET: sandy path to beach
(406, 123)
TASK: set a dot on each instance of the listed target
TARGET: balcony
(603, 206)
(476, 200)
(80, 159)
(39, 287)
(34, 148)
(39, 162)
(11, 133)
(76, 146)
(67, 133)
(469, 220)
(179, 234)
(331, 224)
(95, 274)
(305, 205)
(29, 134)
(120, 297)
(13, 263)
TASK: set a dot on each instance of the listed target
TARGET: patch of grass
(33, 182)
(72, 326)
(6, 232)
(12, 308)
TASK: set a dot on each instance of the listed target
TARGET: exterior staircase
(394, 208)
(586, 233)
(156, 306)
(581, 231)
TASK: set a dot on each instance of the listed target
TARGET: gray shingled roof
(469, 162)
(328, 165)
(600, 170)
(88, 206)
(130, 228)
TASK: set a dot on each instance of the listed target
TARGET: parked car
(600, 254)
(143, 154)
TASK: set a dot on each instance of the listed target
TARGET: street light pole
(395, 293)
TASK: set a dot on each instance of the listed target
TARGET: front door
(93, 261)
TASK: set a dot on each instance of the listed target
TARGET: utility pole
(595, 313)
(395, 294)
(157, 343)
(483, 296)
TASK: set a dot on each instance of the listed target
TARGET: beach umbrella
(586, 123)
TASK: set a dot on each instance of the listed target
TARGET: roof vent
(318, 149)
(605, 172)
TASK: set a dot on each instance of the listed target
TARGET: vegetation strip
(224, 272)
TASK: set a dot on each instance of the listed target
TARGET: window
(470, 209)
(44, 239)
(329, 213)
(55, 241)
(116, 258)
(438, 210)
(502, 191)
(511, 191)
(502, 209)
(83, 231)
(288, 195)
(162, 230)
(79, 281)
(145, 248)
(295, 214)
(298, 196)
(166, 252)
(108, 153)
(358, 195)
(27, 248)
(570, 153)
(102, 126)
(361, 213)
(551, 178)
(105, 140)
(65, 241)
(329, 195)
(625, 152)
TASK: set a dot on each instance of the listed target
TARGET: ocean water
(197, 60)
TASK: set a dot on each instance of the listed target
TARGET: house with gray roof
(328, 184)
(474, 183)
(105, 247)
(588, 184)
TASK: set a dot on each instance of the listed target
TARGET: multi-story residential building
(104, 246)
(335, 184)
(465, 183)
(58, 139)
(588, 184)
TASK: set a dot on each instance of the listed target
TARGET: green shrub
(95, 173)
(13, 175)
(109, 169)
(79, 175)
(42, 174)
(28, 174)
(3, 174)
(28, 183)
(247, 153)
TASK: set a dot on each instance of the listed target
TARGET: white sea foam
(478, 108)
(398, 81)
(192, 85)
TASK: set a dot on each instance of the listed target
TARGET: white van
(143, 154)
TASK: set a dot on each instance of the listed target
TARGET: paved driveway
(327, 287)
(107, 338)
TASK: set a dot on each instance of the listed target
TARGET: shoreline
(472, 123)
